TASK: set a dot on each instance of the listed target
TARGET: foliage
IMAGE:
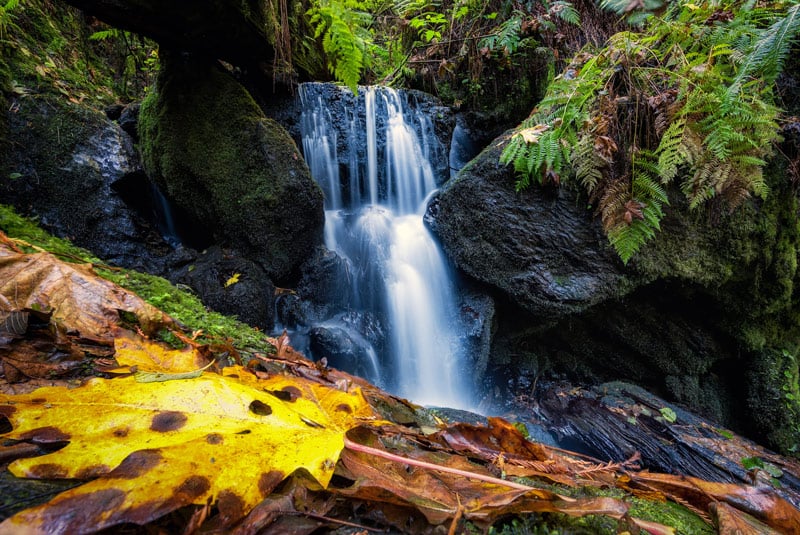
(157, 446)
(7, 15)
(342, 25)
(166, 434)
(690, 97)
(139, 59)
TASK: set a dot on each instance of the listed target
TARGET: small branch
(324, 518)
(422, 464)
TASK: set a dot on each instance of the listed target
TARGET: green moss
(181, 305)
(216, 156)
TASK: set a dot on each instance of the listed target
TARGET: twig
(459, 514)
(349, 444)
(324, 518)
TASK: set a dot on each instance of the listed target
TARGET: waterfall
(373, 163)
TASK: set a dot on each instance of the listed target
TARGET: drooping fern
(341, 26)
(768, 54)
(689, 100)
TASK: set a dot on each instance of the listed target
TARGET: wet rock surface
(540, 247)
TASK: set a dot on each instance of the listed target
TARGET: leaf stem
(349, 444)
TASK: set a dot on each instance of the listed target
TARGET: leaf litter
(282, 445)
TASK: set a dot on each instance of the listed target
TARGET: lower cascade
(373, 162)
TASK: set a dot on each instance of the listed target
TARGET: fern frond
(588, 164)
(612, 203)
(670, 155)
(566, 12)
(768, 54)
(344, 47)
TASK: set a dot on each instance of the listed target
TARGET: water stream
(373, 162)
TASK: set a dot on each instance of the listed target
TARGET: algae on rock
(237, 173)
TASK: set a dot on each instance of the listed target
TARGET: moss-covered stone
(701, 315)
(237, 173)
(181, 305)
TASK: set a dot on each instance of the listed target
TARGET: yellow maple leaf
(155, 447)
(130, 350)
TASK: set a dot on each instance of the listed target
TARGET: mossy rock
(697, 316)
(237, 173)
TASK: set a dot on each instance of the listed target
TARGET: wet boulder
(539, 247)
(237, 174)
(72, 167)
(705, 314)
(232, 285)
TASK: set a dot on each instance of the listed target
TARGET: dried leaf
(81, 301)
(532, 134)
(159, 446)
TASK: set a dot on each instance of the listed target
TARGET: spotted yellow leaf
(154, 447)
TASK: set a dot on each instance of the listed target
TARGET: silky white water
(373, 219)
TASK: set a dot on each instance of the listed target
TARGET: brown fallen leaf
(731, 521)
(81, 302)
(763, 503)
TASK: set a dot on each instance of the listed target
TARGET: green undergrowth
(686, 104)
(181, 305)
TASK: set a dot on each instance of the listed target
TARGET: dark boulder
(71, 168)
(231, 285)
(344, 349)
(539, 247)
(236, 173)
(705, 314)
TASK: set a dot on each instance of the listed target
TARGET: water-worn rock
(231, 285)
(343, 349)
(704, 314)
(538, 246)
(236, 173)
(70, 166)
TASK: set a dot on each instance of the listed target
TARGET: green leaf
(668, 414)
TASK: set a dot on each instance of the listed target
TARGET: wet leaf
(668, 414)
(233, 279)
(764, 504)
(155, 447)
(81, 301)
(532, 135)
(731, 521)
(145, 355)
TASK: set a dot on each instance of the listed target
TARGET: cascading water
(375, 197)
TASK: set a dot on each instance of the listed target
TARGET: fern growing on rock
(687, 101)
(342, 27)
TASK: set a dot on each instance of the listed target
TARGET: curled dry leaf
(81, 301)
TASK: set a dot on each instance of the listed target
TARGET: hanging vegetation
(690, 102)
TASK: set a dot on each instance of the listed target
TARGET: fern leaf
(670, 155)
(768, 55)
(588, 164)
